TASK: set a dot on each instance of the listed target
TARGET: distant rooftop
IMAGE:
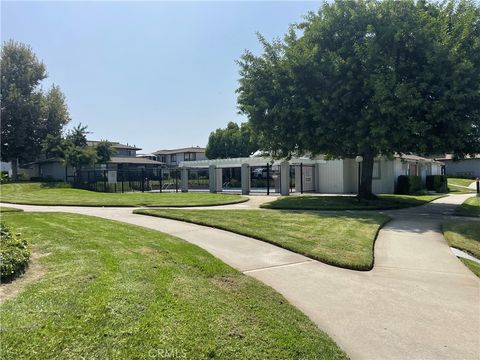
(133, 160)
(452, 157)
(115, 145)
(195, 149)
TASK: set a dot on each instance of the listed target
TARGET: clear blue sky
(154, 74)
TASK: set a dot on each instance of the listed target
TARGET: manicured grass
(472, 265)
(112, 290)
(459, 181)
(464, 235)
(384, 202)
(460, 189)
(460, 186)
(337, 239)
(470, 207)
(4, 209)
(54, 194)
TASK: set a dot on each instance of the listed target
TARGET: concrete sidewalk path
(419, 301)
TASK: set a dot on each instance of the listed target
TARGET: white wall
(470, 167)
(330, 176)
(385, 184)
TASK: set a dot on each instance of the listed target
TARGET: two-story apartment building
(173, 157)
(124, 159)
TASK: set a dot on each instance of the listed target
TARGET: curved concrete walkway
(419, 301)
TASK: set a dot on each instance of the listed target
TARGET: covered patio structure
(283, 176)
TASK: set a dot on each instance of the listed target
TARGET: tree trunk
(365, 191)
(15, 169)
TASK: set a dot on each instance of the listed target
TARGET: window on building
(377, 174)
(190, 156)
(173, 158)
(163, 158)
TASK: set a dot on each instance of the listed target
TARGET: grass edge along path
(60, 195)
(5, 209)
(470, 207)
(305, 240)
(472, 265)
(132, 292)
(327, 203)
(463, 235)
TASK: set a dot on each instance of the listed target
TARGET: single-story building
(125, 160)
(468, 167)
(314, 175)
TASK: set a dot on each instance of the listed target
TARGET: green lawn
(4, 209)
(459, 182)
(464, 235)
(459, 186)
(387, 201)
(472, 265)
(344, 240)
(54, 194)
(112, 290)
(470, 207)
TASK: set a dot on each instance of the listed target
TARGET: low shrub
(408, 185)
(14, 254)
(4, 177)
(437, 183)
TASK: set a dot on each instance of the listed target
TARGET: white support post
(245, 177)
(284, 178)
(212, 178)
(219, 182)
(184, 175)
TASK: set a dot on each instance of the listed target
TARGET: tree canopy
(231, 142)
(28, 114)
(369, 78)
(105, 151)
(74, 148)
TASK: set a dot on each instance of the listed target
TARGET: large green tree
(231, 142)
(369, 78)
(28, 115)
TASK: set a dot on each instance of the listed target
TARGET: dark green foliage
(369, 78)
(409, 184)
(105, 151)
(28, 114)
(14, 254)
(4, 177)
(74, 149)
(232, 142)
(437, 183)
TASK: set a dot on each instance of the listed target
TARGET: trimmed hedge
(437, 183)
(409, 184)
(14, 254)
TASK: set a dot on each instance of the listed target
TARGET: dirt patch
(33, 272)
(147, 251)
(226, 282)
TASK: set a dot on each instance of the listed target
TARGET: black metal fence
(156, 179)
